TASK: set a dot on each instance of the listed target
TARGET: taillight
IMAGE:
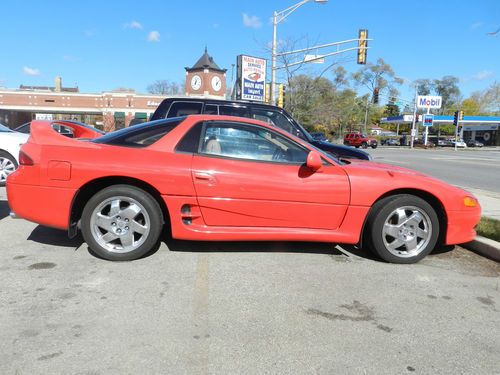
(24, 159)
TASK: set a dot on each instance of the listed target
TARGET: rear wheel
(374, 146)
(364, 145)
(8, 165)
(121, 223)
(402, 229)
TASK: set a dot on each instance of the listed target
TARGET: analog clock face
(196, 82)
(216, 83)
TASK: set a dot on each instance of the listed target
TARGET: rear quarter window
(139, 136)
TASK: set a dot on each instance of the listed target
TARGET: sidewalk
(489, 201)
(490, 205)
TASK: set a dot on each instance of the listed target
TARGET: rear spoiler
(43, 132)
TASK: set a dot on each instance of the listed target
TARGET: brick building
(107, 110)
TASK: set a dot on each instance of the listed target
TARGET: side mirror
(314, 161)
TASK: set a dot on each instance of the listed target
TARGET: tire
(402, 229)
(374, 146)
(8, 165)
(364, 145)
(122, 222)
(356, 146)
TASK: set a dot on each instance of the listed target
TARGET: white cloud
(31, 71)
(154, 36)
(89, 33)
(476, 25)
(70, 58)
(482, 75)
(251, 21)
(134, 25)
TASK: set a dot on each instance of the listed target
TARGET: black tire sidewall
(145, 199)
(378, 216)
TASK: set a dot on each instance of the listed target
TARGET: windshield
(5, 129)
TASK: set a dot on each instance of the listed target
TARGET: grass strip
(489, 228)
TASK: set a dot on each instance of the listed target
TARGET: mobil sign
(427, 101)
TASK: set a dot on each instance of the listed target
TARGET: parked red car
(359, 140)
(222, 178)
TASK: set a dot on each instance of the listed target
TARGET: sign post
(428, 121)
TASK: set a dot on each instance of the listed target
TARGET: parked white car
(459, 143)
(10, 143)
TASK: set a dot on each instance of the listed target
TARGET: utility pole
(414, 118)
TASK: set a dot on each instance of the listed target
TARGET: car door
(247, 175)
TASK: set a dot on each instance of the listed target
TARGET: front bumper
(461, 225)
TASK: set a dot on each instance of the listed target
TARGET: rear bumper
(48, 206)
(461, 225)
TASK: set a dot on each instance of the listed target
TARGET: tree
(424, 86)
(164, 87)
(391, 110)
(447, 88)
(489, 100)
(340, 77)
(471, 107)
(380, 75)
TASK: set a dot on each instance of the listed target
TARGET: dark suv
(276, 116)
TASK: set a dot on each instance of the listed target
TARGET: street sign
(429, 101)
(428, 119)
(314, 59)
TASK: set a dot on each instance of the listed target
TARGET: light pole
(277, 18)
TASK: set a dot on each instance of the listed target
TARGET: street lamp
(277, 18)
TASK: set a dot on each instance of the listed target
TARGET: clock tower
(205, 78)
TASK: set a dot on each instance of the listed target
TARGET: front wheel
(402, 229)
(364, 145)
(121, 222)
(8, 165)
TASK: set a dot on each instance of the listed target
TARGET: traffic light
(362, 45)
(267, 96)
(281, 95)
(456, 118)
(460, 115)
(375, 95)
(417, 118)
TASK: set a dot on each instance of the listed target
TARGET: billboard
(251, 78)
(428, 101)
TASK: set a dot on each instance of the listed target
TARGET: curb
(484, 246)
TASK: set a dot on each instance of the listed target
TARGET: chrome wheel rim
(120, 224)
(407, 231)
(7, 166)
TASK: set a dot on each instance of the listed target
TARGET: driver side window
(250, 142)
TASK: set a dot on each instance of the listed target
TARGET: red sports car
(219, 178)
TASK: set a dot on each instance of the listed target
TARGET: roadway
(467, 168)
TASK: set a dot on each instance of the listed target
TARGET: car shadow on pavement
(267, 246)
(55, 237)
(4, 209)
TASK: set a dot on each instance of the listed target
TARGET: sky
(103, 45)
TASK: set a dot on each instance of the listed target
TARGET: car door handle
(205, 177)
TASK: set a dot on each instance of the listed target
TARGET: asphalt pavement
(250, 308)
